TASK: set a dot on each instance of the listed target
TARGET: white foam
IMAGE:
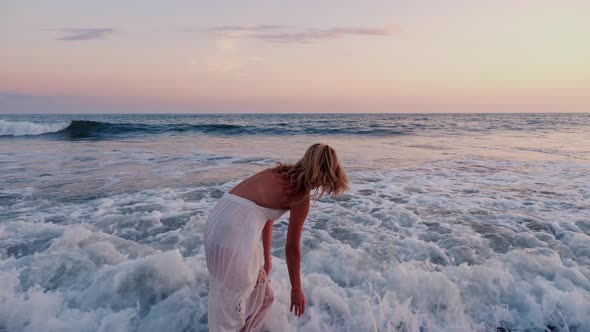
(39, 310)
(26, 128)
(450, 246)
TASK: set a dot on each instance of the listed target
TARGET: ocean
(454, 222)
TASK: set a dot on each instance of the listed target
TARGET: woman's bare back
(265, 189)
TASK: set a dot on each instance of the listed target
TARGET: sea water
(453, 222)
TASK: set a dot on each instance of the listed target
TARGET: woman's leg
(259, 303)
(226, 306)
(226, 312)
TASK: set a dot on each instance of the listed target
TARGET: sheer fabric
(239, 290)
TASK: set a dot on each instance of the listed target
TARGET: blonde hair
(317, 173)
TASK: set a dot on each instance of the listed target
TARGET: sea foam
(421, 248)
(25, 128)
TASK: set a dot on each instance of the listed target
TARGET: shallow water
(453, 223)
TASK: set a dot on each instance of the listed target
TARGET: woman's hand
(297, 302)
(267, 267)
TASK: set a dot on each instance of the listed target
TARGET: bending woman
(239, 289)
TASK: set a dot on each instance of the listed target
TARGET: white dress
(239, 291)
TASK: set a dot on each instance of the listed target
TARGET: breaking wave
(26, 128)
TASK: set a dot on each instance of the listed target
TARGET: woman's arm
(298, 214)
(267, 246)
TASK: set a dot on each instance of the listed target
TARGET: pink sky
(268, 56)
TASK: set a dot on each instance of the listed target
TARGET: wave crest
(25, 128)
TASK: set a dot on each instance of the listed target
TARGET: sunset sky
(294, 56)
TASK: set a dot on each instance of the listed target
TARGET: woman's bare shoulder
(264, 188)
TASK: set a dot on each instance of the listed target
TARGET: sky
(145, 56)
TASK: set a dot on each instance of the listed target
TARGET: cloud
(310, 35)
(85, 34)
(15, 95)
(246, 28)
(284, 34)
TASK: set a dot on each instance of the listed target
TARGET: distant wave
(380, 125)
(85, 129)
(96, 129)
(80, 129)
(25, 128)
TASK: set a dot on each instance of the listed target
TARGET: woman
(239, 290)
